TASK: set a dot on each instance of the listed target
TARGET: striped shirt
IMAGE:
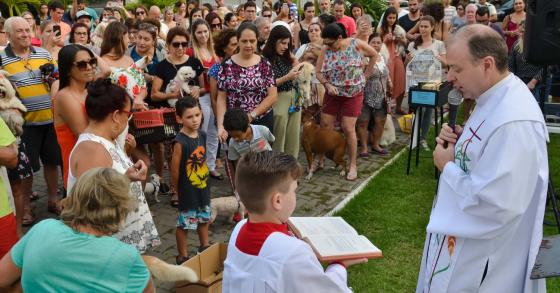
(26, 76)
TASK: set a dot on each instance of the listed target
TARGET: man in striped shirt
(22, 62)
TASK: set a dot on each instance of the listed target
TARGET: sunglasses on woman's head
(179, 44)
(82, 65)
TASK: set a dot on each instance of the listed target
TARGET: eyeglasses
(129, 113)
(29, 69)
(82, 65)
(176, 45)
(140, 12)
(216, 25)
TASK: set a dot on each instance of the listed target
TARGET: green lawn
(393, 212)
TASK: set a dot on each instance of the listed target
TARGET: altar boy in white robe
(262, 254)
(486, 223)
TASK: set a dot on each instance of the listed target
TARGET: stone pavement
(315, 198)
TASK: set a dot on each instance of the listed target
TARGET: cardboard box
(209, 265)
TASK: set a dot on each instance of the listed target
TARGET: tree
(374, 8)
(19, 6)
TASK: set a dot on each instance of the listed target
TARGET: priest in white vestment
(485, 227)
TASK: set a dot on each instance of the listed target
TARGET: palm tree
(18, 6)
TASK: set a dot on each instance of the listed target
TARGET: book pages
(343, 247)
(306, 226)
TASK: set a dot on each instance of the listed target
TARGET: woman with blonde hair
(168, 18)
(203, 50)
(50, 40)
(80, 243)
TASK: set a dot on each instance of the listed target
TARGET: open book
(332, 238)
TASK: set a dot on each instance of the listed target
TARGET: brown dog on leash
(319, 141)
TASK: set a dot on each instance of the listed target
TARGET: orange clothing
(66, 140)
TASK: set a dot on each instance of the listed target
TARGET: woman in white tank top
(108, 108)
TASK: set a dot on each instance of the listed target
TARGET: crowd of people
(243, 96)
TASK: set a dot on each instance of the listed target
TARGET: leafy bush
(374, 8)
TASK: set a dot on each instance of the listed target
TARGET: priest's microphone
(454, 99)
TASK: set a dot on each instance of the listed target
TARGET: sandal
(352, 175)
(382, 152)
(54, 207)
(364, 155)
(28, 218)
(174, 202)
(34, 196)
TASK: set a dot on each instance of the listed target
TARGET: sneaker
(181, 259)
(201, 249)
(424, 145)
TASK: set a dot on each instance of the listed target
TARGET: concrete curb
(363, 185)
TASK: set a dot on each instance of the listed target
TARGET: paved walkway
(315, 198)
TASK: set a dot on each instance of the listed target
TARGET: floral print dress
(344, 70)
(139, 229)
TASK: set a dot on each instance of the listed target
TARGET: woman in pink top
(511, 22)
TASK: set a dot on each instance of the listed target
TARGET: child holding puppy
(189, 176)
(262, 254)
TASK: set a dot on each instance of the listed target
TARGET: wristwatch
(253, 115)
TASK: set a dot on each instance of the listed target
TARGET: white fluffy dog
(167, 272)
(152, 187)
(304, 79)
(388, 136)
(11, 108)
(181, 81)
(226, 206)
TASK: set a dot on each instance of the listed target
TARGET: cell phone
(56, 30)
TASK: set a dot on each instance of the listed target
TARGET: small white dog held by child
(262, 253)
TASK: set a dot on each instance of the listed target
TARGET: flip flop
(382, 152)
(352, 176)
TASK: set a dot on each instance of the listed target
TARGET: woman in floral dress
(340, 68)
